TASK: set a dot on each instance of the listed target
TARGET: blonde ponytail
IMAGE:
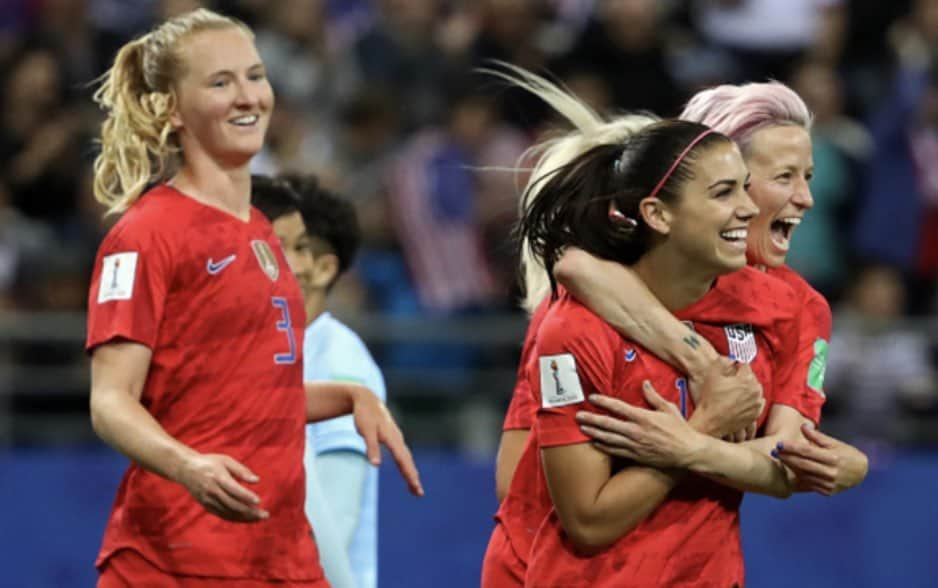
(589, 130)
(135, 137)
(138, 143)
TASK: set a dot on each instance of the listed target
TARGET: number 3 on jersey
(285, 325)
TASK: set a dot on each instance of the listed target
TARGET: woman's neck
(225, 188)
(674, 280)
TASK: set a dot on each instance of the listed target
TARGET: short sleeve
(129, 284)
(803, 358)
(576, 357)
(814, 337)
(521, 411)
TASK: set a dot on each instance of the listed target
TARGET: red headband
(678, 162)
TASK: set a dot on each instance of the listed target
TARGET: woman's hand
(213, 480)
(823, 464)
(376, 425)
(659, 438)
(730, 401)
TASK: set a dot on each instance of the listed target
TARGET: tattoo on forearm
(692, 341)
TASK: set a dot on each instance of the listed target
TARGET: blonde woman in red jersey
(195, 326)
(771, 125)
(670, 201)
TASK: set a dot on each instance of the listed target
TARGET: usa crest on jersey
(266, 258)
(742, 342)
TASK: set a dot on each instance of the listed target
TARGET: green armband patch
(818, 366)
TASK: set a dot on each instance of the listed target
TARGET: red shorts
(128, 569)
(502, 568)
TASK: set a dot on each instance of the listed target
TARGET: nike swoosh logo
(630, 355)
(215, 267)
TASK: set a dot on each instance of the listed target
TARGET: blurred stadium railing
(449, 379)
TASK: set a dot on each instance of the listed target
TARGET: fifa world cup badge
(560, 384)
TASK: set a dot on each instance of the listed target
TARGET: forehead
(782, 146)
(290, 226)
(228, 48)
(722, 161)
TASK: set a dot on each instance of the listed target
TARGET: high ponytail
(138, 143)
(572, 210)
(589, 130)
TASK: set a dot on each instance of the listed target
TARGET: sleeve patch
(560, 384)
(117, 277)
(818, 366)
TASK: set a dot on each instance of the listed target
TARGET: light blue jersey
(333, 352)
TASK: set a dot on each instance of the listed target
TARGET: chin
(733, 265)
(772, 260)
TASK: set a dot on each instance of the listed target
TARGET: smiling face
(708, 224)
(780, 161)
(224, 100)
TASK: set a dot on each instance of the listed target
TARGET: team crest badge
(742, 342)
(266, 258)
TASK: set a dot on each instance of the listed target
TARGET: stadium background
(379, 99)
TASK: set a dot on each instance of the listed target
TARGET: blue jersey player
(320, 236)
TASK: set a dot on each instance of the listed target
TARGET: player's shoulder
(763, 293)
(567, 322)
(342, 335)
(534, 323)
(814, 310)
(155, 216)
(346, 350)
(808, 299)
(806, 294)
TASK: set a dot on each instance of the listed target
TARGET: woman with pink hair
(770, 124)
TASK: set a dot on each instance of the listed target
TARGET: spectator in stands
(878, 364)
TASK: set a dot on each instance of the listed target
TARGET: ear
(175, 118)
(325, 270)
(656, 214)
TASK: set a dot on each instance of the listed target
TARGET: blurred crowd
(382, 99)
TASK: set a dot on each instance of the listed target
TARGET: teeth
(790, 220)
(735, 234)
(248, 119)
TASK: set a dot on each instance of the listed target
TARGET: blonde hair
(589, 130)
(138, 146)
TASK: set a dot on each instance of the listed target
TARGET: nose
(802, 197)
(248, 96)
(746, 208)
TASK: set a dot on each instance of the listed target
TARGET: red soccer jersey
(814, 335)
(215, 301)
(523, 405)
(693, 537)
(745, 296)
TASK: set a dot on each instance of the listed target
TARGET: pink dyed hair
(740, 111)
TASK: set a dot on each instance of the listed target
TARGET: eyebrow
(729, 182)
(229, 72)
(718, 182)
